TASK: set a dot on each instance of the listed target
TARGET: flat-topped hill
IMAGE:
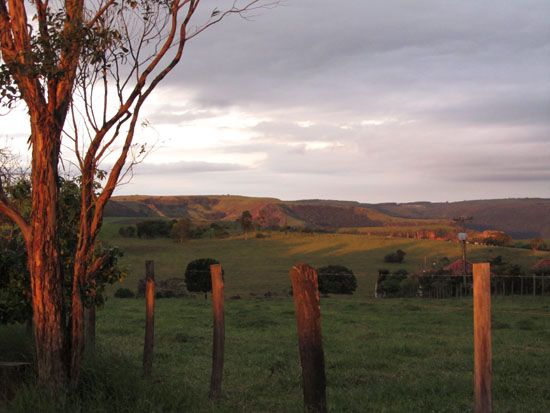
(521, 218)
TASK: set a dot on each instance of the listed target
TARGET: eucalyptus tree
(83, 70)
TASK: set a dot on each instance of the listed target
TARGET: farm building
(457, 267)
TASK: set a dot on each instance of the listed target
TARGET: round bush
(197, 275)
(336, 279)
(124, 293)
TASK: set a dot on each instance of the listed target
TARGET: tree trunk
(90, 329)
(82, 262)
(44, 261)
(77, 327)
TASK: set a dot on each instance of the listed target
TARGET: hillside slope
(265, 211)
(521, 218)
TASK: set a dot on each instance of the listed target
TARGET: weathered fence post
(308, 320)
(149, 318)
(482, 338)
(219, 331)
(534, 286)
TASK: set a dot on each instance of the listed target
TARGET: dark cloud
(438, 100)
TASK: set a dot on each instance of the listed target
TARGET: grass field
(260, 265)
(401, 355)
(394, 355)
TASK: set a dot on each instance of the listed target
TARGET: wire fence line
(448, 286)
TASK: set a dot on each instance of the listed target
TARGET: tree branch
(16, 217)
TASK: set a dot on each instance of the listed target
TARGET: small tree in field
(84, 70)
(197, 276)
(181, 229)
(247, 223)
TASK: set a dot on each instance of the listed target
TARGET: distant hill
(521, 218)
(265, 211)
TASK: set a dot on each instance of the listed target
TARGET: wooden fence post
(219, 331)
(482, 339)
(308, 319)
(149, 318)
(534, 286)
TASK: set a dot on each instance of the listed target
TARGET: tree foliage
(395, 257)
(336, 279)
(84, 70)
(128, 231)
(197, 275)
(154, 228)
(181, 230)
(15, 288)
(246, 221)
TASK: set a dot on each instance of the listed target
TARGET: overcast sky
(389, 100)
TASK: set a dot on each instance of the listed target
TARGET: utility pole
(462, 237)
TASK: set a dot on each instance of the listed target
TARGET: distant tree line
(177, 229)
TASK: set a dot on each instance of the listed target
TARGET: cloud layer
(379, 100)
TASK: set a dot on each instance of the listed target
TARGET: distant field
(261, 265)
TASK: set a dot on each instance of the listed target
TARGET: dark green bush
(124, 293)
(397, 284)
(390, 287)
(154, 228)
(197, 275)
(336, 279)
(127, 232)
(397, 256)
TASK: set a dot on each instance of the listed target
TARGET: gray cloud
(177, 168)
(406, 100)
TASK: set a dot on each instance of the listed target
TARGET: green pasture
(398, 355)
(259, 265)
(382, 355)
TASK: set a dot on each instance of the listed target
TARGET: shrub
(396, 256)
(336, 279)
(397, 284)
(197, 275)
(218, 231)
(124, 293)
(390, 287)
(127, 232)
(181, 230)
(409, 287)
(154, 228)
